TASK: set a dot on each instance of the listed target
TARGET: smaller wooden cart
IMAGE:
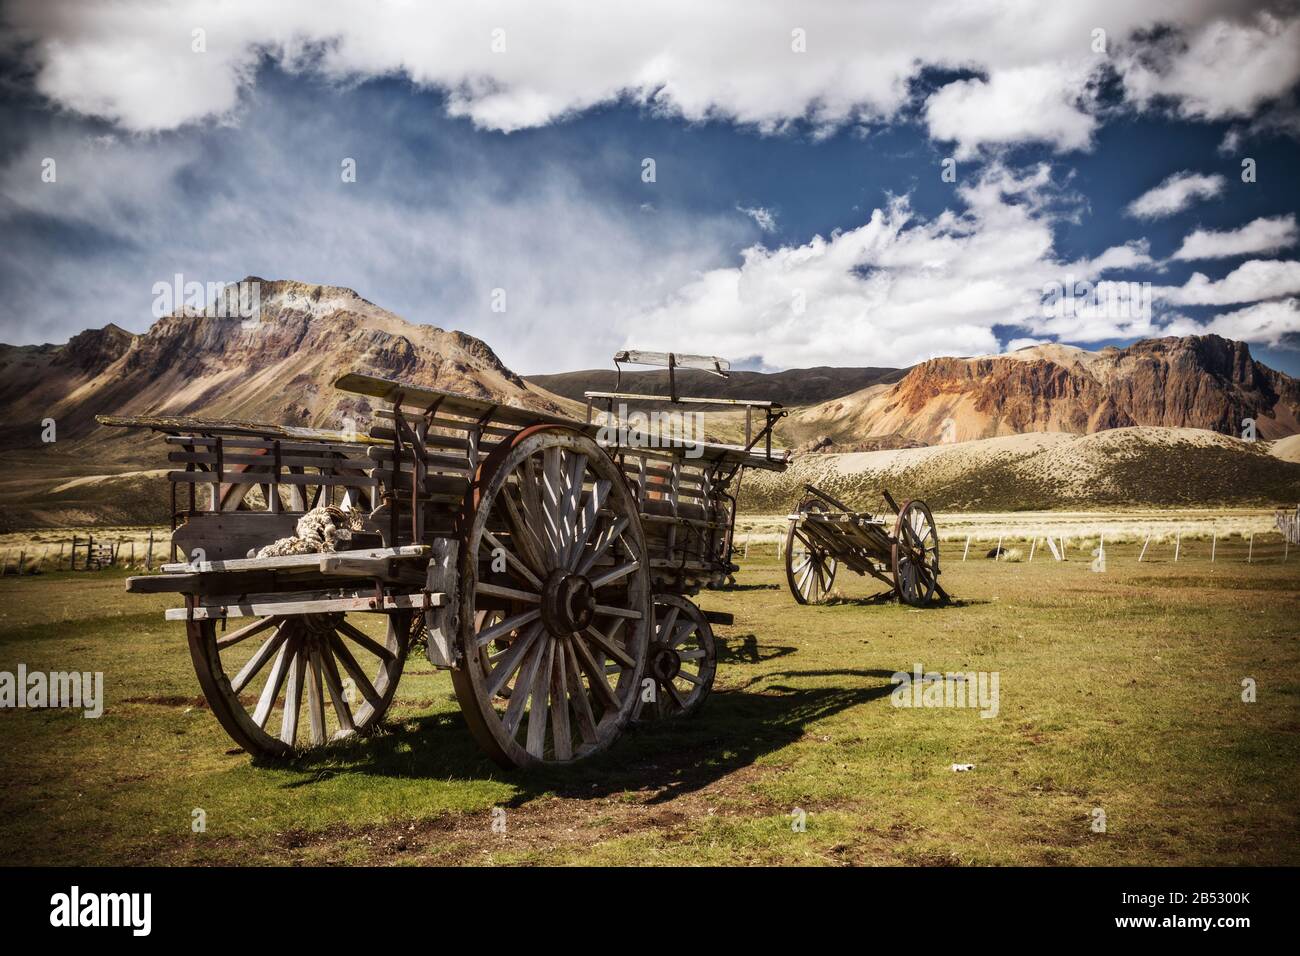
(825, 533)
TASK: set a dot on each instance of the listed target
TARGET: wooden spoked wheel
(680, 662)
(809, 569)
(916, 554)
(554, 600)
(258, 677)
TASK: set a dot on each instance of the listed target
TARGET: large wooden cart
(824, 533)
(547, 563)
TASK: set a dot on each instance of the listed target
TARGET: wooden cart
(824, 533)
(547, 563)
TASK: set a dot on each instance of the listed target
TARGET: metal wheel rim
(273, 672)
(567, 530)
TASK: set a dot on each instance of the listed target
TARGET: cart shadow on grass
(673, 757)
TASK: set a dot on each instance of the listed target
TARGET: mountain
(1200, 381)
(1140, 465)
(280, 369)
(1080, 409)
(795, 386)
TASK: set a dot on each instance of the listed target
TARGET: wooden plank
(312, 560)
(708, 363)
(683, 399)
(490, 412)
(161, 583)
(228, 426)
(267, 605)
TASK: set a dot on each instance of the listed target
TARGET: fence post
(997, 554)
(1144, 549)
(148, 555)
(1214, 542)
(967, 549)
(1250, 554)
(1032, 545)
(1178, 545)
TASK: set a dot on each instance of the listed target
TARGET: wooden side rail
(315, 561)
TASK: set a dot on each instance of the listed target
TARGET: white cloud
(1175, 194)
(1228, 68)
(893, 291)
(764, 217)
(1042, 103)
(1251, 281)
(1266, 234)
(573, 266)
(1271, 323)
(132, 61)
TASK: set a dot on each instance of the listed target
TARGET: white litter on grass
(962, 767)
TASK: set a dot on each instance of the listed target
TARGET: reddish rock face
(1202, 381)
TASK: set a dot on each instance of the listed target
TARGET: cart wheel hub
(568, 602)
(663, 661)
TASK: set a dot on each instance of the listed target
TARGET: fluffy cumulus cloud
(897, 289)
(1175, 194)
(431, 249)
(1039, 103)
(513, 64)
(1226, 69)
(1265, 234)
(1274, 323)
(1251, 281)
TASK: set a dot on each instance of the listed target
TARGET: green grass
(1119, 691)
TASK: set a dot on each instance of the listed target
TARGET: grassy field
(1118, 691)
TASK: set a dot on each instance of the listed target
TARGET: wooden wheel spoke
(513, 560)
(274, 681)
(595, 554)
(574, 474)
(538, 709)
(293, 695)
(355, 672)
(247, 631)
(521, 530)
(552, 505)
(676, 695)
(366, 641)
(519, 697)
(335, 686)
(588, 518)
(608, 645)
(630, 614)
(511, 659)
(502, 628)
(684, 631)
(561, 734)
(616, 574)
(669, 620)
(258, 660)
(597, 678)
(582, 712)
(315, 698)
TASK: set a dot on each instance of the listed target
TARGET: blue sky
(798, 213)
